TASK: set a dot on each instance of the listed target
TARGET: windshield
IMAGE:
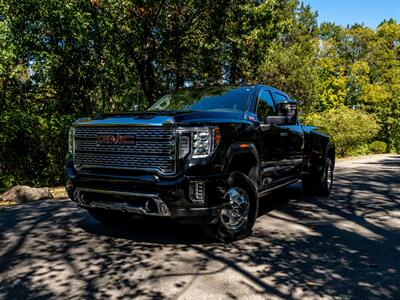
(210, 98)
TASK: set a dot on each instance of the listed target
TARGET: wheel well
(245, 163)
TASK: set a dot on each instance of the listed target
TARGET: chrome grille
(154, 149)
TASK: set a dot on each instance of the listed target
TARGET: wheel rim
(234, 214)
(329, 176)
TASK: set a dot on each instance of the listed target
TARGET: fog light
(197, 191)
(164, 210)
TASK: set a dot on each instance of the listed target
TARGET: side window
(266, 106)
(279, 97)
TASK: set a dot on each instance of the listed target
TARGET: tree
(360, 68)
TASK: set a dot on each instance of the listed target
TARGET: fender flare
(317, 163)
(237, 149)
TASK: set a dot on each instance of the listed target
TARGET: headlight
(199, 141)
(71, 140)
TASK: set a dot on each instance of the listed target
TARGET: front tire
(237, 217)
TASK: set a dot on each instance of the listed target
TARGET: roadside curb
(364, 156)
(56, 192)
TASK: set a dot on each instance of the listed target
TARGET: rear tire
(320, 185)
(236, 219)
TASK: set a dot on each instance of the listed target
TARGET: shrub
(360, 150)
(32, 148)
(349, 128)
(378, 147)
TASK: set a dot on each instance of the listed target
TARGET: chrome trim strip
(162, 207)
(133, 120)
(270, 190)
(167, 125)
(157, 170)
(119, 193)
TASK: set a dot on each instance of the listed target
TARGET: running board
(270, 190)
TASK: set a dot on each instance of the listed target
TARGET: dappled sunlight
(278, 220)
(355, 228)
(302, 247)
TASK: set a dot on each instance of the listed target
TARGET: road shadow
(153, 230)
(166, 231)
(342, 247)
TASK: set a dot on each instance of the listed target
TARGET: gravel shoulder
(346, 246)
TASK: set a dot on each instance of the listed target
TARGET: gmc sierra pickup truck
(204, 155)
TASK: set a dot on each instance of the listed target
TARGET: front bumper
(145, 194)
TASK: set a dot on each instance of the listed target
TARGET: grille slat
(138, 148)
(154, 149)
(153, 133)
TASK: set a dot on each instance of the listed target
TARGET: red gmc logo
(116, 139)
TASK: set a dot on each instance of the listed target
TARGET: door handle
(284, 134)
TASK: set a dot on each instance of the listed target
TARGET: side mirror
(288, 109)
(287, 115)
(276, 120)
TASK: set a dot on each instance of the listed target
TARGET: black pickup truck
(203, 155)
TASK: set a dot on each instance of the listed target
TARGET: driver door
(293, 143)
(273, 156)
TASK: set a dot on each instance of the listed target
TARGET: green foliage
(32, 148)
(281, 49)
(333, 84)
(361, 68)
(378, 147)
(349, 128)
(292, 69)
(360, 150)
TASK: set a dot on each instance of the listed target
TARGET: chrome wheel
(236, 213)
(329, 176)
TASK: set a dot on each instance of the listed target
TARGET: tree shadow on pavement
(346, 246)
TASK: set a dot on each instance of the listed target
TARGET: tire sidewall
(242, 182)
(325, 186)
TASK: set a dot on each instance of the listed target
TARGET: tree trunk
(147, 80)
(151, 83)
(179, 77)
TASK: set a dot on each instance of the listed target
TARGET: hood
(164, 118)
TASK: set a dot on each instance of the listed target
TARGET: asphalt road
(343, 247)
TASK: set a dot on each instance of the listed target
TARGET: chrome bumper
(161, 208)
